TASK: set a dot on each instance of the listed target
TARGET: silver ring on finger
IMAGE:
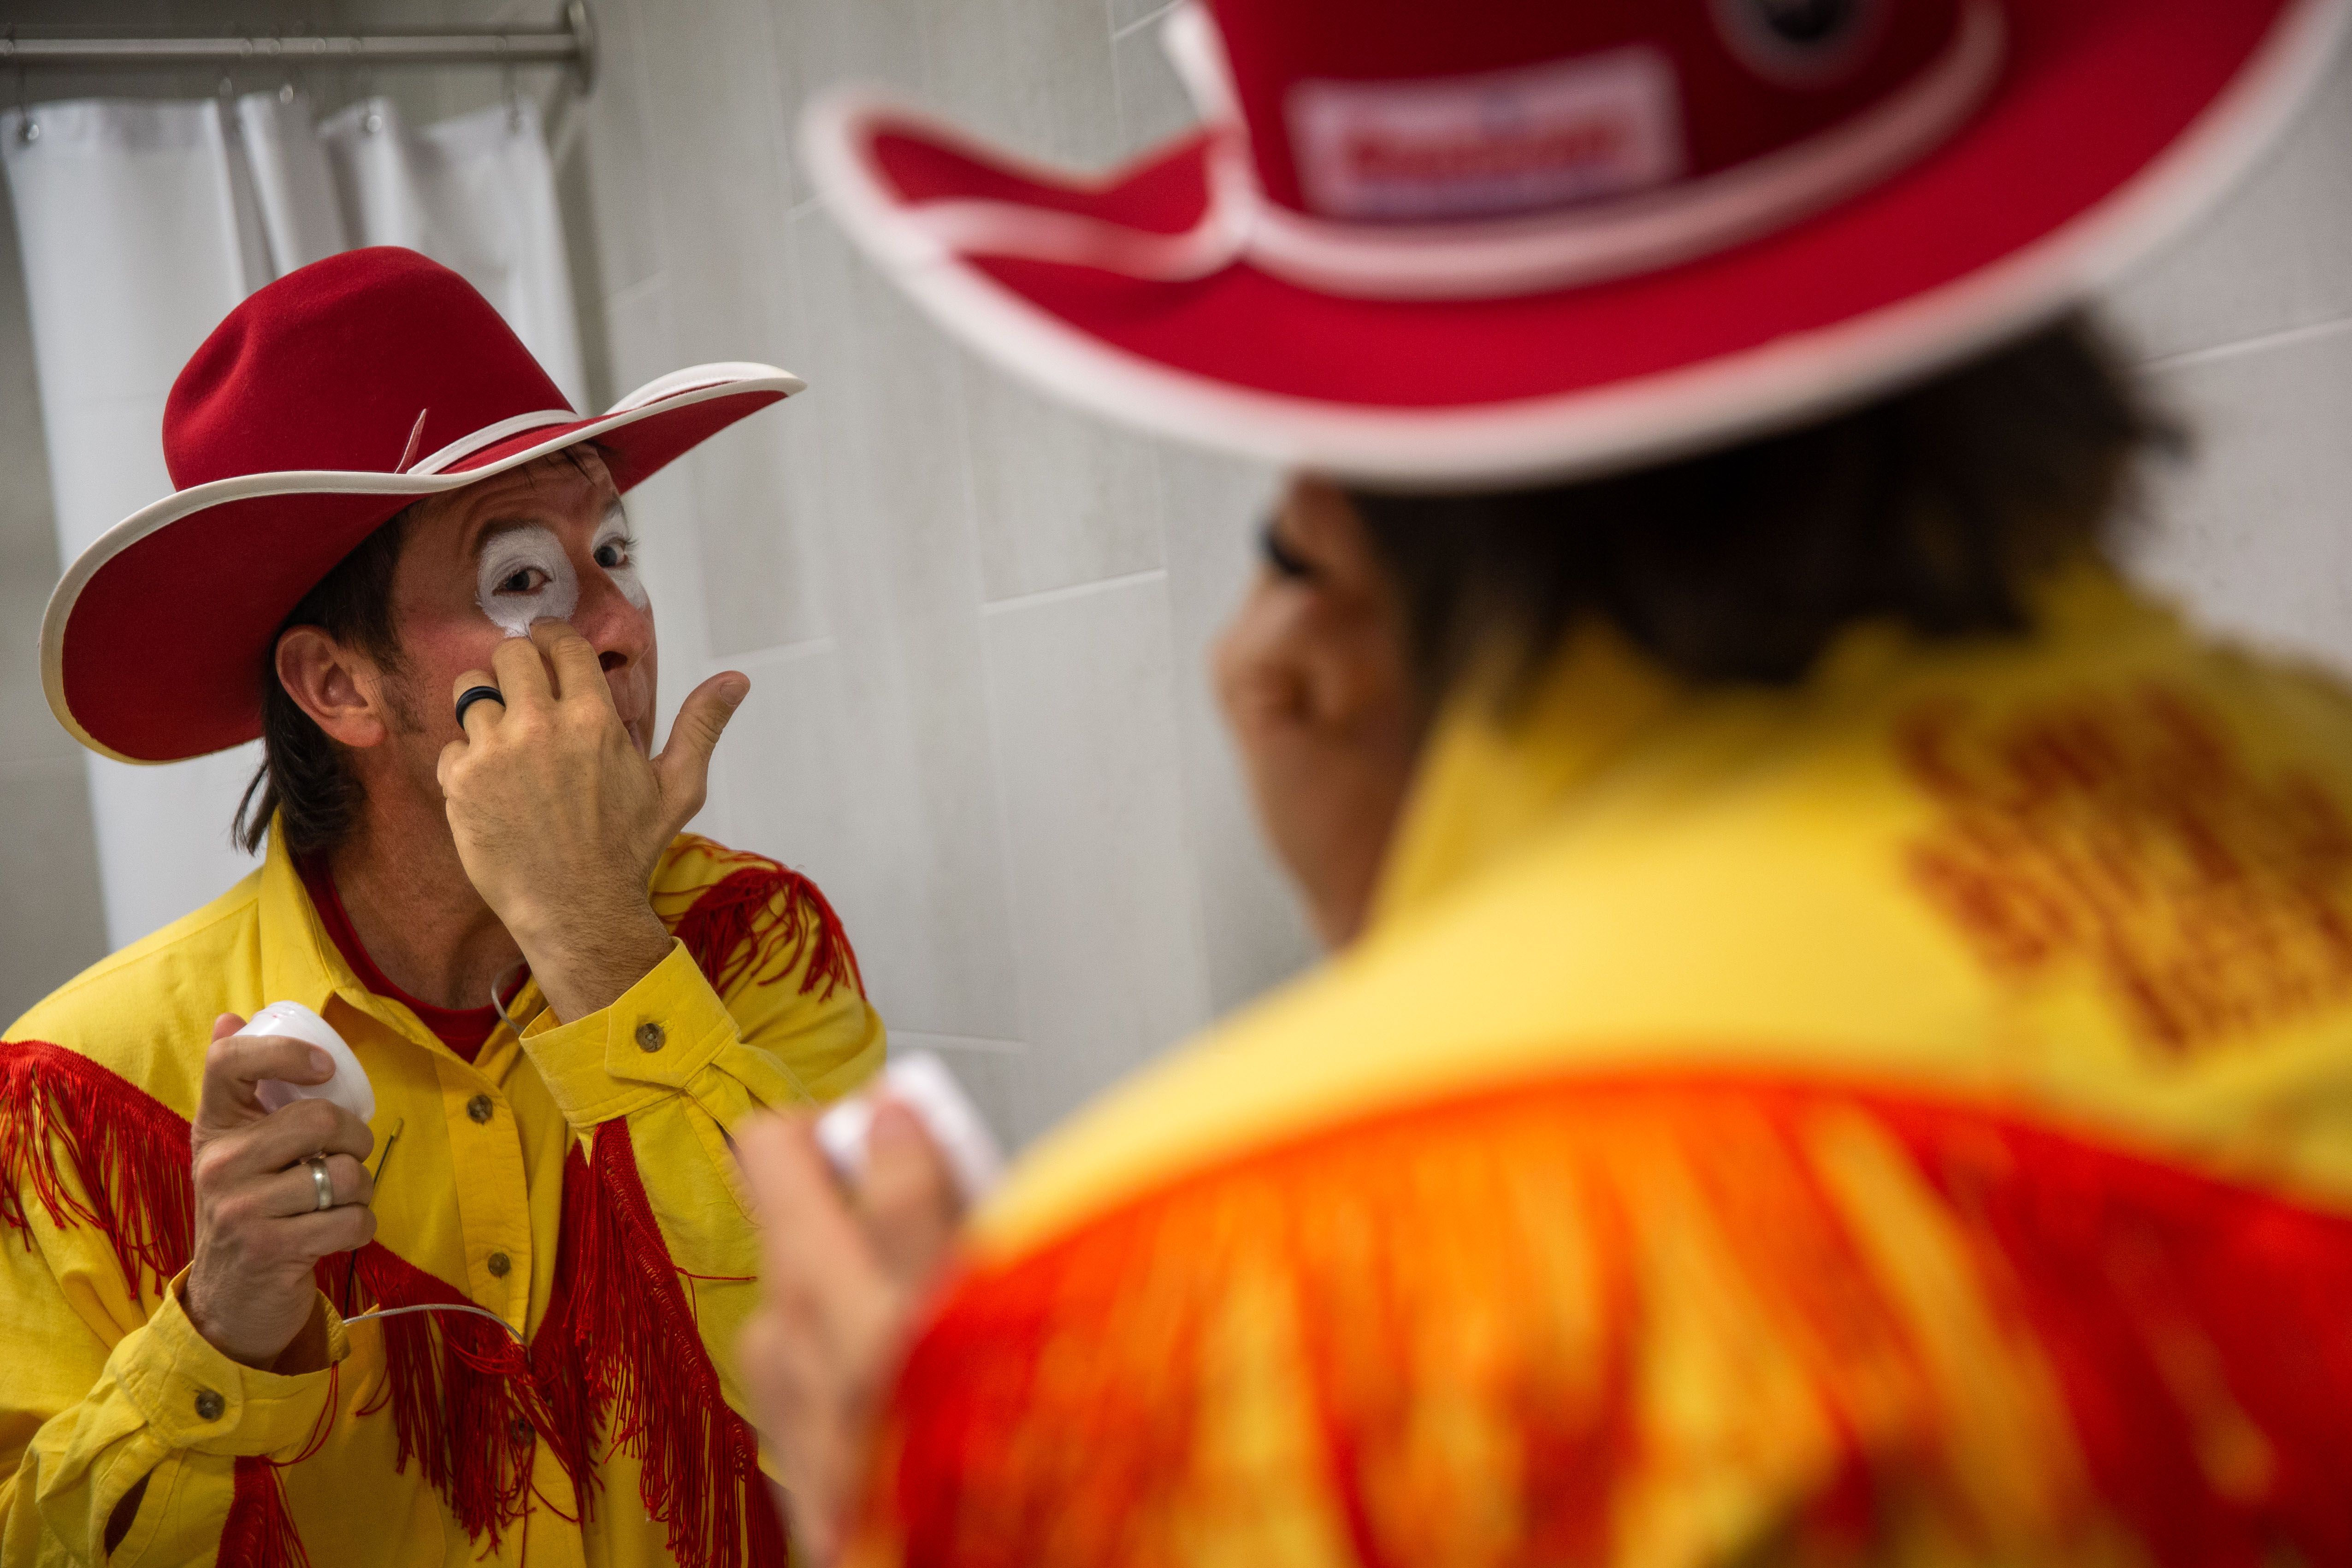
(324, 1183)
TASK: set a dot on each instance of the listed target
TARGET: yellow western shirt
(1907, 1118)
(575, 1183)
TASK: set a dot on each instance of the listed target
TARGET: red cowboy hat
(1522, 239)
(317, 409)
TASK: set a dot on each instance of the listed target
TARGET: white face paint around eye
(526, 576)
(616, 552)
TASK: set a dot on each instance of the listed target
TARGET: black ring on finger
(473, 694)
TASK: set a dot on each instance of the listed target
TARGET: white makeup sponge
(921, 1082)
(349, 1088)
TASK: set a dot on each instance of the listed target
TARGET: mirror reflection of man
(559, 997)
(1835, 1048)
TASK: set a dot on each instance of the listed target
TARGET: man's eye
(522, 582)
(610, 556)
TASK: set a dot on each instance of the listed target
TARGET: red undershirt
(462, 1029)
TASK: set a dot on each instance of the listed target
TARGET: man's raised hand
(559, 818)
(260, 1229)
(844, 1271)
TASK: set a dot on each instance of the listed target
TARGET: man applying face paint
(563, 1000)
(526, 575)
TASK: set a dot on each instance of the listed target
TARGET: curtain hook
(514, 94)
(227, 88)
(286, 63)
(28, 129)
(274, 46)
(363, 73)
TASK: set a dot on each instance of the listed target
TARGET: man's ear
(341, 691)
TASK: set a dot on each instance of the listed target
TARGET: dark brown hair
(1934, 505)
(303, 779)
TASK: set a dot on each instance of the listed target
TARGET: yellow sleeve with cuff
(670, 1059)
(149, 1400)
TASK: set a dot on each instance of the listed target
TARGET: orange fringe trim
(757, 923)
(1492, 1261)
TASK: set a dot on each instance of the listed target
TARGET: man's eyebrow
(499, 526)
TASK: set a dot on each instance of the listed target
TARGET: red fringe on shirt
(618, 1353)
(460, 1389)
(621, 1351)
(131, 1153)
(759, 922)
(260, 1531)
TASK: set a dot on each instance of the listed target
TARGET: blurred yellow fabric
(1901, 1118)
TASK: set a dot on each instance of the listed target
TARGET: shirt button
(209, 1405)
(650, 1036)
(499, 1265)
(478, 1108)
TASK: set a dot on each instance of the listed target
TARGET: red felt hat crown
(321, 407)
(1522, 239)
(351, 364)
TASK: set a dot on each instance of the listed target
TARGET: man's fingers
(224, 1026)
(522, 675)
(234, 1063)
(683, 765)
(295, 1191)
(328, 1231)
(907, 1195)
(579, 673)
(805, 1230)
(484, 712)
(289, 1134)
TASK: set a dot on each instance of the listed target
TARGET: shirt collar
(1494, 768)
(1494, 772)
(300, 960)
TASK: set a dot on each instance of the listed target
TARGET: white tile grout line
(624, 296)
(1142, 22)
(1073, 591)
(769, 657)
(1000, 799)
(975, 1043)
(2287, 337)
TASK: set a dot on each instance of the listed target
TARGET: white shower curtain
(142, 226)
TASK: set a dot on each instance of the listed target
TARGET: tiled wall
(2246, 326)
(976, 624)
(51, 919)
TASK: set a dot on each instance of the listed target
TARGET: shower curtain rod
(571, 41)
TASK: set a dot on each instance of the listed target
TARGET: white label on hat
(1475, 146)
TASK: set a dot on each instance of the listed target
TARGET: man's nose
(620, 630)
